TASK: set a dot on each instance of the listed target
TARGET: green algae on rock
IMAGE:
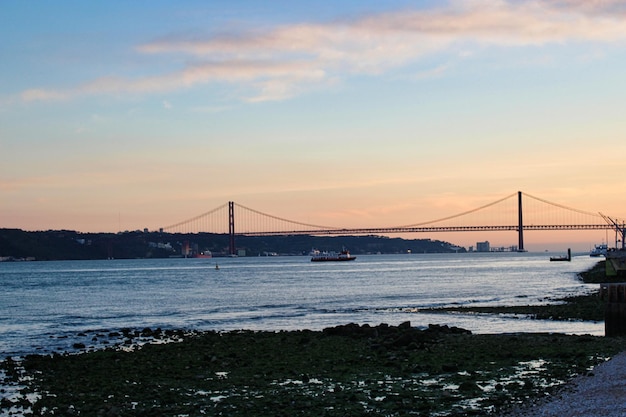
(345, 370)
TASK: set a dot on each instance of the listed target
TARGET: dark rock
(445, 329)
(346, 330)
(449, 368)
(469, 386)
(405, 339)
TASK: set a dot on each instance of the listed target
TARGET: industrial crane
(619, 229)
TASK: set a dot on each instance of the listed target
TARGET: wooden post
(615, 309)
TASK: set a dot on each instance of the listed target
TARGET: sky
(120, 115)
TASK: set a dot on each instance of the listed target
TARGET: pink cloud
(279, 63)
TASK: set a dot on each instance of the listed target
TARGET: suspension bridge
(518, 212)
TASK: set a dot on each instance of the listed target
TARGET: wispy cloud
(282, 62)
(432, 72)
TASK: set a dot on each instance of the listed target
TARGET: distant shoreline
(16, 244)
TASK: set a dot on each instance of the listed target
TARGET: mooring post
(520, 224)
(231, 227)
(615, 309)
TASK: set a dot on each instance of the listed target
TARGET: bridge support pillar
(231, 227)
(520, 224)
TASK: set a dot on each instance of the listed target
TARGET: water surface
(44, 305)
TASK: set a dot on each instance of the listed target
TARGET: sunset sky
(124, 115)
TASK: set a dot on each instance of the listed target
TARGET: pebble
(600, 393)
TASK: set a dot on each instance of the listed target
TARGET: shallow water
(44, 306)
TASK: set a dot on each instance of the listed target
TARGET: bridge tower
(231, 227)
(520, 224)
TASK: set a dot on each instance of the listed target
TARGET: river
(49, 306)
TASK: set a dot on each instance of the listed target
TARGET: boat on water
(566, 258)
(344, 255)
(599, 250)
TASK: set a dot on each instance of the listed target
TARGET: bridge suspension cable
(563, 206)
(457, 215)
(196, 219)
(283, 220)
(542, 215)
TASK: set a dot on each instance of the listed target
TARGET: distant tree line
(16, 244)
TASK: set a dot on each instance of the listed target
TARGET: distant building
(483, 246)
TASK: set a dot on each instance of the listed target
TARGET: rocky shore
(601, 392)
(340, 371)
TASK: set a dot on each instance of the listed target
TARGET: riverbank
(344, 370)
(601, 393)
